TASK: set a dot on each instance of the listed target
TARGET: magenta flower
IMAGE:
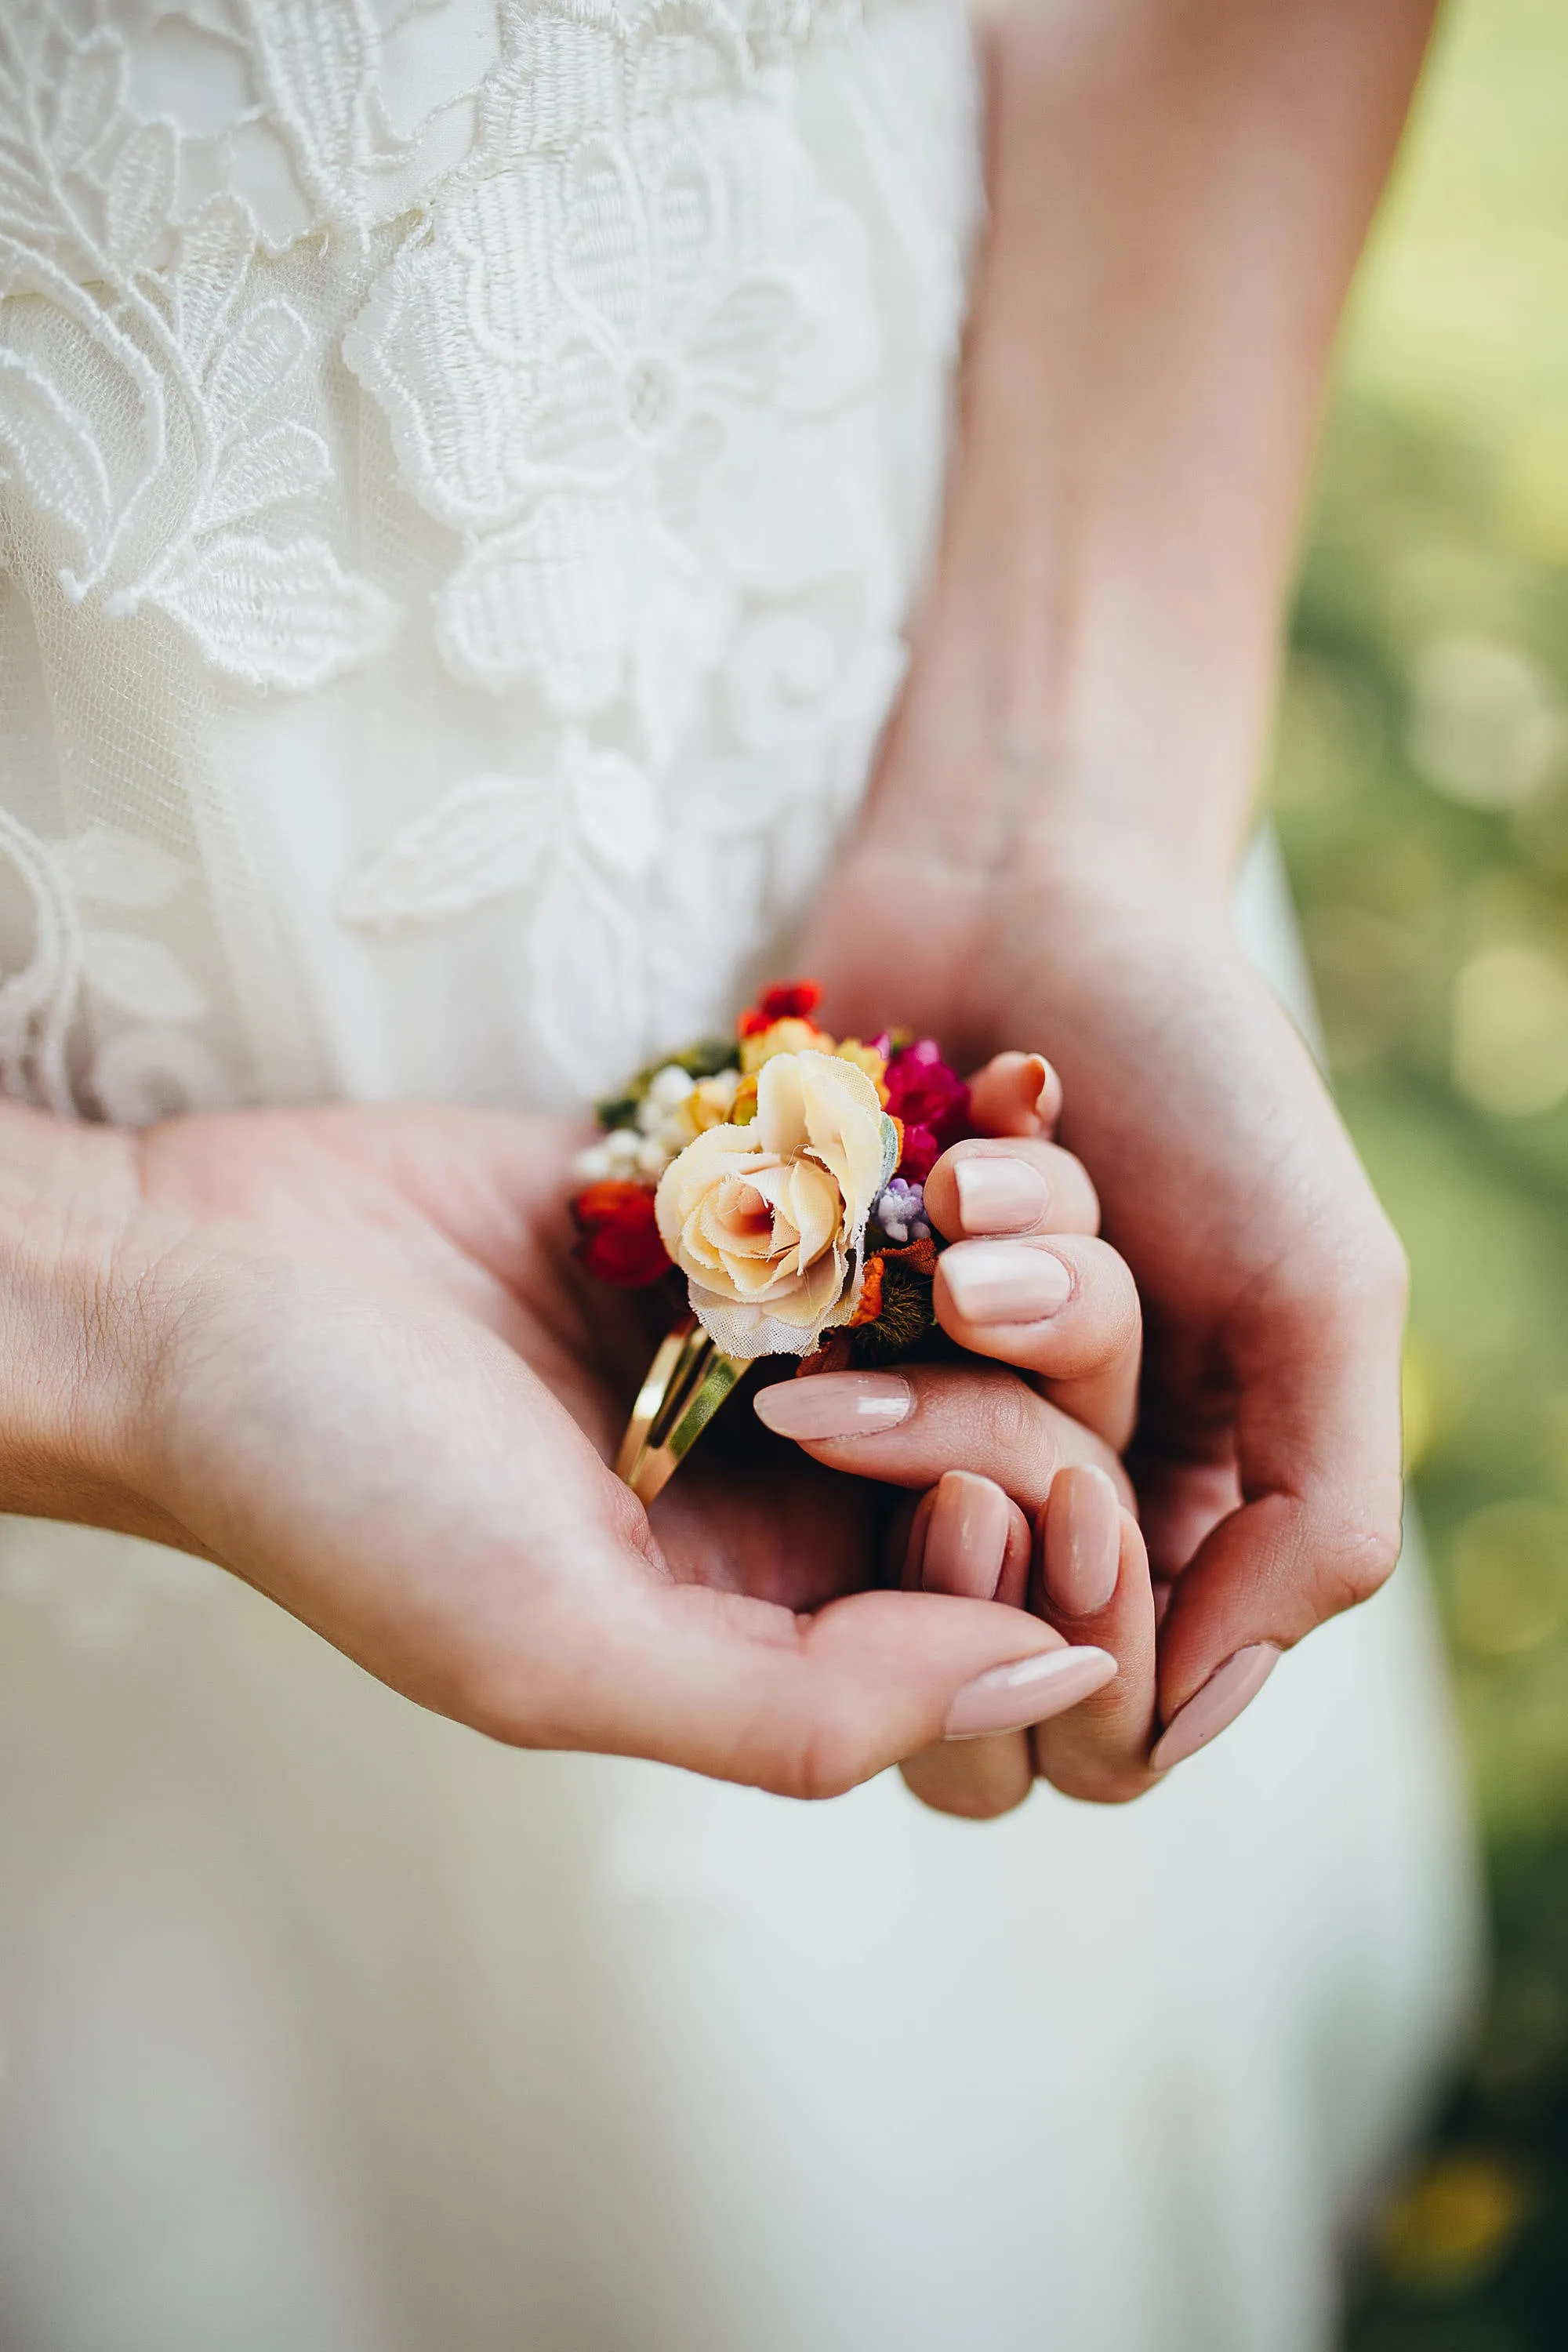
(932, 1101)
(920, 1155)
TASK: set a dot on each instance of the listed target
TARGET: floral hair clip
(781, 1173)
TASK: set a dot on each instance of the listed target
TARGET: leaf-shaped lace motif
(276, 614)
(145, 1062)
(138, 976)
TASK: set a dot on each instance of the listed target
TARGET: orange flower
(870, 1305)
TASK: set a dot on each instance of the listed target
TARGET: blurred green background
(1421, 785)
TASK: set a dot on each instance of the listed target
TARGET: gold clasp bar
(687, 1382)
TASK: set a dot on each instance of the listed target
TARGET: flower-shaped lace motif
(616, 359)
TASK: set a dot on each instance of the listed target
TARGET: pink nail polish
(1004, 1282)
(1082, 1541)
(1229, 1689)
(965, 1536)
(915, 1549)
(1030, 1690)
(997, 1194)
(1049, 1101)
(834, 1404)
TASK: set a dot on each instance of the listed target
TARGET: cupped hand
(1268, 1457)
(1036, 1514)
(346, 1354)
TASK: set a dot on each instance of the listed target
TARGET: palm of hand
(387, 1398)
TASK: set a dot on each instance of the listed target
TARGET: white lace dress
(464, 469)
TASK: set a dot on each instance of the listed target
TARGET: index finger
(1009, 1184)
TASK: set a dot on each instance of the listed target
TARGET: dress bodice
(466, 464)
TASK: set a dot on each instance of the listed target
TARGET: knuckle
(1090, 1784)
(1363, 1570)
(1121, 1314)
(1361, 1561)
(1384, 1274)
(1358, 1274)
(1074, 1202)
(1018, 1427)
(966, 1805)
(1394, 1289)
(829, 1762)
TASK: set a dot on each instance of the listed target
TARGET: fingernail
(1002, 1281)
(998, 1196)
(835, 1404)
(965, 1536)
(1030, 1690)
(915, 1549)
(1082, 1541)
(1229, 1689)
(1049, 1101)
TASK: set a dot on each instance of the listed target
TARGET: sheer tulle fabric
(465, 471)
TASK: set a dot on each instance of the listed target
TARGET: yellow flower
(712, 1101)
(788, 1037)
(866, 1058)
(768, 1221)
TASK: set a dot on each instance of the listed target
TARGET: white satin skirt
(326, 2026)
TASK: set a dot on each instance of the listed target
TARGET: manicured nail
(1082, 1541)
(998, 1196)
(1229, 1689)
(915, 1549)
(965, 1536)
(1003, 1282)
(835, 1404)
(1049, 1101)
(1030, 1690)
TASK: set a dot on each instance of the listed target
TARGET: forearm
(1180, 190)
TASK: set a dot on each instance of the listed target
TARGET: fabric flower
(901, 1212)
(871, 1057)
(790, 1035)
(792, 1000)
(925, 1091)
(618, 1236)
(917, 1154)
(768, 1221)
(927, 1095)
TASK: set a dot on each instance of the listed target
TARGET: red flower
(792, 999)
(617, 1235)
(931, 1100)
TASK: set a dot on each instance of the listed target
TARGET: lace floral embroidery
(622, 448)
(85, 960)
(152, 415)
(571, 846)
(633, 358)
(614, 362)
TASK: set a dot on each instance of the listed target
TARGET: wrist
(75, 1335)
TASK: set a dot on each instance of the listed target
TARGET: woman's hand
(1032, 1517)
(346, 1354)
(1177, 199)
(1267, 1461)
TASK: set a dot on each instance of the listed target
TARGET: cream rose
(768, 1221)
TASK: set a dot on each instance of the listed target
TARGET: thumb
(804, 1706)
(1317, 1458)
